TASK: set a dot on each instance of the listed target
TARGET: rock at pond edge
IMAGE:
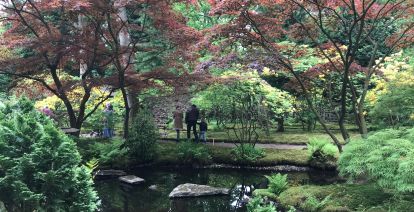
(195, 190)
(131, 179)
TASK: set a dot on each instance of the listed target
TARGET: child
(203, 130)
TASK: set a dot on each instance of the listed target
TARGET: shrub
(395, 107)
(190, 152)
(110, 153)
(141, 144)
(257, 205)
(322, 153)
(247, 153)
(277, 183)
(386, 157)
(40, 166)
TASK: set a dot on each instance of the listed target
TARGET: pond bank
(343, 197)
(109, 154)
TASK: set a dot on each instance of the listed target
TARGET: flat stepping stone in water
(131, 179)
(153, 187)
(195, 190)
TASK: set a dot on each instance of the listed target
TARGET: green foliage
(277, 183)
(110, 153)
(312, 204)
(394, 108)
(247, 153)
(190, 152)
(322, 153)
(40, 165)
(292, 209)
(243, 107)
(92, 164)
(257, 205)
(141, 143)
(385, 157)
(198, 16)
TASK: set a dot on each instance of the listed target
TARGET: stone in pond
(194, 190)
(131, 179)
(153, 187)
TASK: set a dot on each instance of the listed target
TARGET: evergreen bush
(40, 167)
(141, 144)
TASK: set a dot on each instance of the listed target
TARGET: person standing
(191, 117)
(108, 121)
(48, 112)
(203, 130)
(178, 121)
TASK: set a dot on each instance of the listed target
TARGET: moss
(343, 197)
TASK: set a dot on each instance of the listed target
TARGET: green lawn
(290, 136)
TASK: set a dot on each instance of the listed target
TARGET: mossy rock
(342, 197)
(320, 161)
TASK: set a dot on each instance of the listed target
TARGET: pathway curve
(264, 146)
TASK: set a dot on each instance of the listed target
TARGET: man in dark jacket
(191, 117)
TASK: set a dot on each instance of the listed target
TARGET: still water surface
(116, 196)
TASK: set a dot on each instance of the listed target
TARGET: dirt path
(264, 146)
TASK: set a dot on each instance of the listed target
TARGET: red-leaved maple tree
(261, 24)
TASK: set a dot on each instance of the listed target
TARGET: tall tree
(262, 24)
(49, 42)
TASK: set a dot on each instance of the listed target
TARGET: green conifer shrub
(40, 167)
(141, 144)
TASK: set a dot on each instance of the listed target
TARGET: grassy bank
(167, 154)
(343, 197)
(290, 136)
(109, 154)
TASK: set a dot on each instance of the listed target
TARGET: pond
(117, 196)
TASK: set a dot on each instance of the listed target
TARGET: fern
(277, 183)
(386, 157)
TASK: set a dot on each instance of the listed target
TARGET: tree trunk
(280, 124)
(342, 113)
(127, 112)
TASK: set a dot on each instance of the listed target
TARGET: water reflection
(116, 196)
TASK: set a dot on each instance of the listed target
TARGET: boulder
(194, 190)
(131, 179)
(153, 187)
(2, 207)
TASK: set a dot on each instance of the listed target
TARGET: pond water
(117, 196)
